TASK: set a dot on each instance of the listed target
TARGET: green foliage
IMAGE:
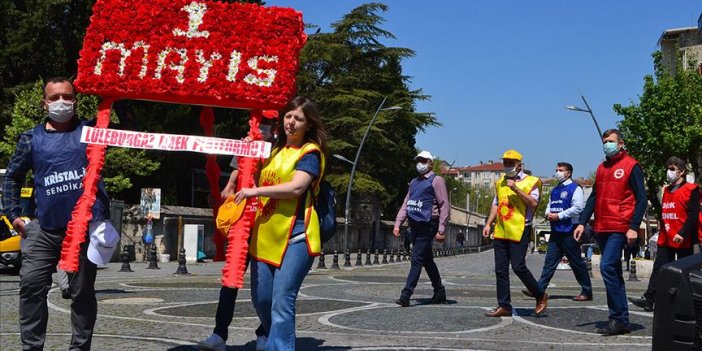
(667, 121)
(349, 71)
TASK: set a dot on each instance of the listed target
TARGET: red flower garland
(192, 52)
(238, 248)
(82, 212)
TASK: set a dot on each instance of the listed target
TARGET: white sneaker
(261, 343)
(213, 343)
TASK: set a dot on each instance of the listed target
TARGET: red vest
(674, 215)
(615, 201)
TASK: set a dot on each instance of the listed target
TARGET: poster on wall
(151, 202)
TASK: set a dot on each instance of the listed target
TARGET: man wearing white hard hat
(426, 207)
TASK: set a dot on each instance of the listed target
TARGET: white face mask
(61, 110)
(422, 167)
(672, 176)
(511, 172)
(560, 176)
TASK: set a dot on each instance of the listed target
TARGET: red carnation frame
(197, 52)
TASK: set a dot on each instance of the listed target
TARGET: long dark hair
(316, 134)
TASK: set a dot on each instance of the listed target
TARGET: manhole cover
(184, 284)
(377, 279)
(415, 319)
(244, 308)
(131, 301)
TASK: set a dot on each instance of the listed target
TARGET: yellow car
(10, 254)
(10, 251)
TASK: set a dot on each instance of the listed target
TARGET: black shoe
(402, 301)
(65, 294)
(438, 299)
(614, 328)
(643, 303)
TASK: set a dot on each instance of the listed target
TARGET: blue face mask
(610, 148)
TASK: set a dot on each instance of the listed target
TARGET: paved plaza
(348, 309)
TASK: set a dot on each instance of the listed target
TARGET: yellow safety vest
(511, 210)
(275, 218)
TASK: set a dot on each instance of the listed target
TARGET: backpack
(325, 205)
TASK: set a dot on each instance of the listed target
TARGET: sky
(499, 73)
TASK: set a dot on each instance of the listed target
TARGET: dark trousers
(560, 244)
(506, 253)
(41, 251)
(225, 313)
(422, 238)
(664, 255)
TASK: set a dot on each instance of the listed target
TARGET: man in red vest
(680, 208)
(618, 200)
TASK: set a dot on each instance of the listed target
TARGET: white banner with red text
(174, 142)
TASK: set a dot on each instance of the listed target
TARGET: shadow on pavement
(427, 301)
(306, 343)
(603, 324)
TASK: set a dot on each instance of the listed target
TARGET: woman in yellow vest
(285, 237)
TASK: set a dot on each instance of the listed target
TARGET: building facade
(687, 40)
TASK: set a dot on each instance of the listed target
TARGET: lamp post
(588, 110)
(354, 163)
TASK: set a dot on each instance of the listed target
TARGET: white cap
(425, 154)
(103, 242)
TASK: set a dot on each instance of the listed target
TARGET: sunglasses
(65, 97)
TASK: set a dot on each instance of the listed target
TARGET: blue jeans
(506, 253)
(560, 244)
(274, 291)
(612, 245)
(422, 256)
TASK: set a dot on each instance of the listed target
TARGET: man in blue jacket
(563, 213)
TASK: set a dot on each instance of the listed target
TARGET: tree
(349, 71)
(667, 121)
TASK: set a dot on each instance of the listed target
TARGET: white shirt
(576, 205)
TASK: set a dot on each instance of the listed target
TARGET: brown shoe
(499, 312)
(582, 297)
(541, 304)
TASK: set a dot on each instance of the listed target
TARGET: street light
(342, 158)
(588, 110)
(355, 163)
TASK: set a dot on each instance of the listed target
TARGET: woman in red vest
(680, 208)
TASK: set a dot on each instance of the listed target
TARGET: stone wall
(367, 233)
